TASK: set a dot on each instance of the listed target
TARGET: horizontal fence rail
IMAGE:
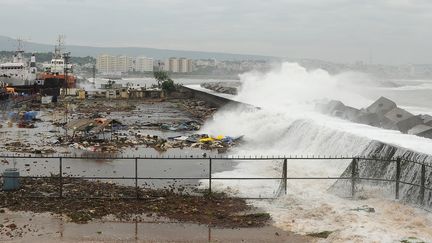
(243, 157)
(354, 176)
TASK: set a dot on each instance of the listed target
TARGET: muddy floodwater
(47, 228)
(43, 140)
(118, 168)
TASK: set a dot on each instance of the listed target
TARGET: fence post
(285, 175)
(136, 179)
(422, 183)
(353, 176)
(397, 177)
(210, 175)
(61, 176)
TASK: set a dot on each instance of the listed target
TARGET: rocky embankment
(383, 113)
(222, 87)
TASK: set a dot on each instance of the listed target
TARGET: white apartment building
(178, 65)
(183, 65)
(111, 64)
(190, 66)
(124, 64)
(173, 65)
(106, 63)
(144, 64)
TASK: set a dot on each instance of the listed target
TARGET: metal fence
(352, 173)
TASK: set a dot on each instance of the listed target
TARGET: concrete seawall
(215, 100)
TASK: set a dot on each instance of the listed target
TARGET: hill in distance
(10, 44)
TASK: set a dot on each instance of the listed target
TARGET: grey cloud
(336, 30)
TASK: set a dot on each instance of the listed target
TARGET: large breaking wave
(288, 125)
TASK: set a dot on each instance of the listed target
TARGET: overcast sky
(385, 31)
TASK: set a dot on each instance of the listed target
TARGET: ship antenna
(20, 45)
(58, 48)
(20, 49)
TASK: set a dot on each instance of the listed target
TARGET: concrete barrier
(215, 100)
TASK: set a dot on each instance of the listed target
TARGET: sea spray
(292, 84)
(288, 125)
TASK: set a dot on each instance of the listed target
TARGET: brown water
(48, 228)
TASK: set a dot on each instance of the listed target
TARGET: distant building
(124, 64)
(106, 63)
(144, 64)
(179, 65)
(111, 64)
(206, 62)
(183, 66)
(190, 66)
(173, 65)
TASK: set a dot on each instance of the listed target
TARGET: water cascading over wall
(383, 168)
(303, 136)
(294, 136)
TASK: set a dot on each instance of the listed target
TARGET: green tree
(168, 85)
(161, 77)
(164, 81)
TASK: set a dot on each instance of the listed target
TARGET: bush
(168, 85)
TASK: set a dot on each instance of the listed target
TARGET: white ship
(19, 71)
(59, 72)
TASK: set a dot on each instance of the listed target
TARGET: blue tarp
(30, 115)
(12, 115)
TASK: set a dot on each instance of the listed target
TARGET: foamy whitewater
(288, 125)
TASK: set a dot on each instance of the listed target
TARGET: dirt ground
(167, 215)
(210, 209)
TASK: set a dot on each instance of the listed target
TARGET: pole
(353, 176)
(210, 175)
(397, 177)
(61, 177)
(285, 175)
(136, 179)
(422, 183)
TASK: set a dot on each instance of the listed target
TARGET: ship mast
(58, 48)
(19, 52)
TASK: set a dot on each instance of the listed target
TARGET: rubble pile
(211, 209)
(383, 113)
(202, 141)
(184, 126)
(23, 119)
(21, 147)
(110, 127)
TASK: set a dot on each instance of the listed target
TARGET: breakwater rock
(383, 113)
(222, 87)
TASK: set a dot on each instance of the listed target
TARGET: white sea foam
(287, 125)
